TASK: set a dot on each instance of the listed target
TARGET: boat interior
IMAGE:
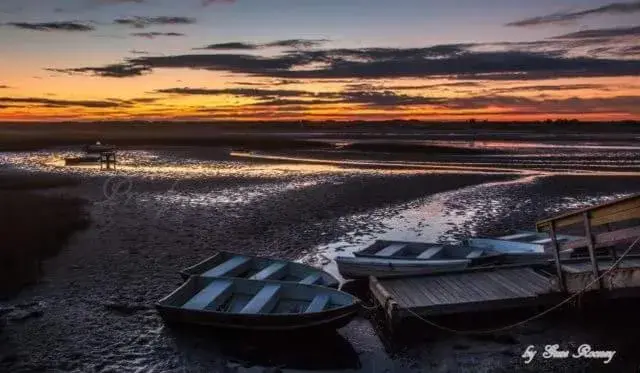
(241, 296)
(426, 251)
(231, 265)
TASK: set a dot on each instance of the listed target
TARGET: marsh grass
(33, 226)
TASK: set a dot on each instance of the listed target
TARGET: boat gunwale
(400, 262)
(367, 252)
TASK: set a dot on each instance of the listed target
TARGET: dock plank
(454, 292)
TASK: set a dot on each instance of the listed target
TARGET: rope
(371, 308)
(534, 317)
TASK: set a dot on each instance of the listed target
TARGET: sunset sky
(319, 59)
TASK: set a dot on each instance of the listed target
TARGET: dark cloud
(60, 103)
(209, 2)
(361, 86)
(461, 61)
(613, 8)
(289, 43)
(109, 71)
(143, 22)
(632, 50)
(135, 51)
(296, 43)
(230, 46)
(52, 26)
(109, 103)
(386, 99)
(244, 92)
(2, 86)
(294, 102)
(272, 97)
(253, 84)
(550, 87)
(603, 34)
(572, 105)
(153, 35)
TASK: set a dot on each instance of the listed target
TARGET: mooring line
(534, 317)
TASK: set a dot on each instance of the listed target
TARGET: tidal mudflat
(166, 208)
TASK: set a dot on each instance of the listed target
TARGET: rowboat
(523, 246)
(99, 148)
(227, 264)
(424, 251)
(255, 305)
(361, 267)
(81, 160)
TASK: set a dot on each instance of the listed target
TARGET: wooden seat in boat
(475, 254)
(318, 303)
(231, 267)
(311, 279)
(273, 271)
(263, 301)
(391, 250)
(518, 236)
(216, 292)
(430, 252)
(543, 240)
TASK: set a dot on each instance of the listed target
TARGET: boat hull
(355, 268)
(80, 161)
(172, 310)
(329, 321)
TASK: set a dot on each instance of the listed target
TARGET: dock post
(591, 246)
(556, 252)
(107, 158)
(612, 249)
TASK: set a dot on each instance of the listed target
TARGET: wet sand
(93, 310)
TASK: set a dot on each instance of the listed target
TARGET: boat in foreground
(227, 264)
(253, 305)
(362, 267)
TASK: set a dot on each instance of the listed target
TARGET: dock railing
(606, 214)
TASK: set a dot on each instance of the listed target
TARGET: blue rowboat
(241, 304)
(227, 264)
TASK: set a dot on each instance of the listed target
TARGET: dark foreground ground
(93, 310)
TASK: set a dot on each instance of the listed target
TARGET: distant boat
(73, 161)
(254, 305)
(363, 267)
(99, 148)
(227, 264)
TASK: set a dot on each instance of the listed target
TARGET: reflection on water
(526, 145)
(444, 217)
(429, 220)
(526, 158)
(476, 165)
(238, 195)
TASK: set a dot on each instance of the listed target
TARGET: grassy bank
(33, 226)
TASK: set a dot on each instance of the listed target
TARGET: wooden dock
(460, 292)
(528, 284)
